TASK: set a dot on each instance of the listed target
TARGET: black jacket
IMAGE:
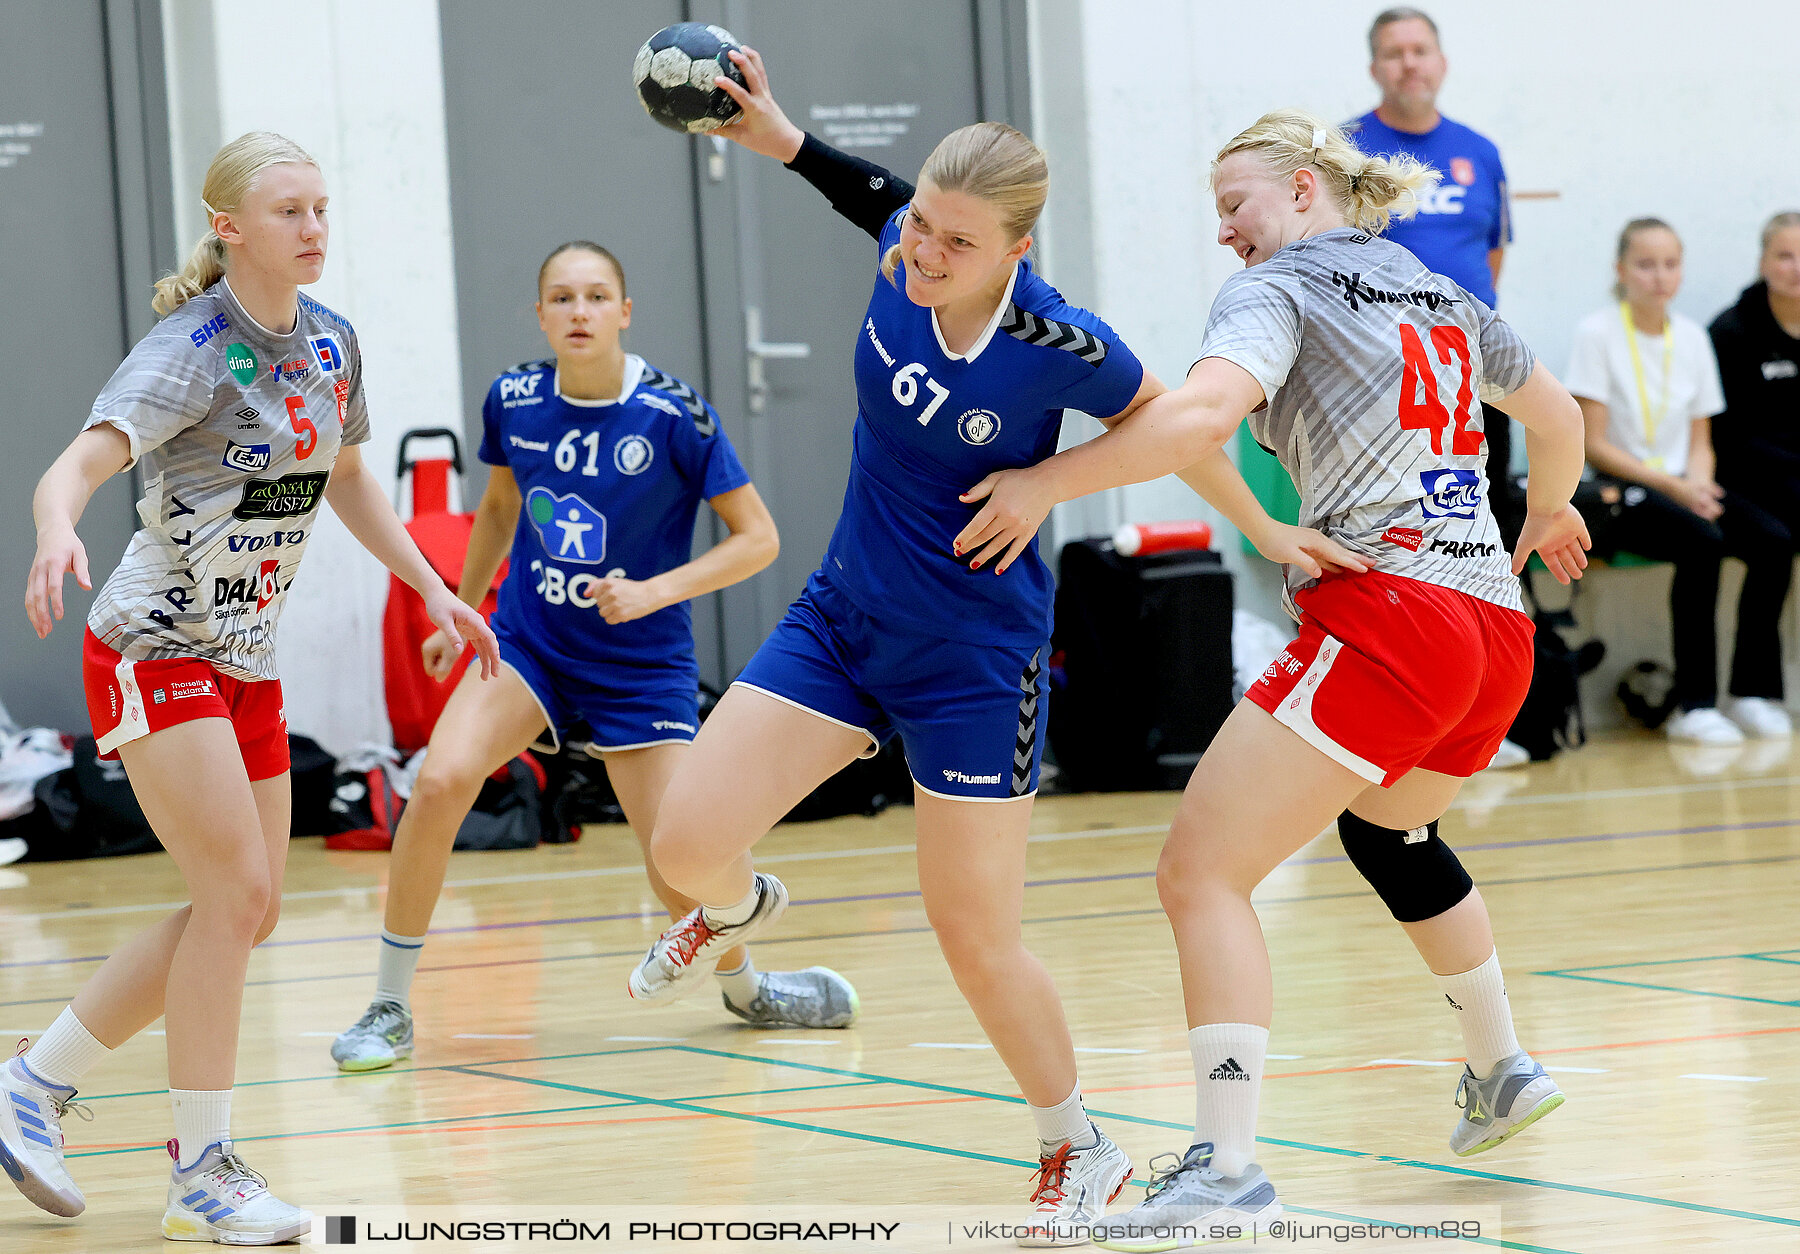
(1758, 436)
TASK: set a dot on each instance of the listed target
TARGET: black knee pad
(1416, 875)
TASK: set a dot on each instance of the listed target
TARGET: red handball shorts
(128, 699)
(1390, 673)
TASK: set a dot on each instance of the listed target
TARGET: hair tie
(1318, 138)
(1356, 180)
(210, 211)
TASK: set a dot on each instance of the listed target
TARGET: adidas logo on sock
(1452, 1002)
(1229, 1070)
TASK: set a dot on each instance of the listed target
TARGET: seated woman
(1758, 436)
(1648, 386)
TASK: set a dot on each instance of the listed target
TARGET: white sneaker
(31, 1139)
(686, 954)
(1073, 1187)
(1759, 716)
(221, 1200)
(1704, 726)
(1509, 755)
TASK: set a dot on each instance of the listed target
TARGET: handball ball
(674, 73)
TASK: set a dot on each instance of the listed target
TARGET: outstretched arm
(1553, 446)
(92, 458)
(356, 498)
(861, 191)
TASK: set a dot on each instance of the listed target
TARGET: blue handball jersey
(930, 424)
(609, 488)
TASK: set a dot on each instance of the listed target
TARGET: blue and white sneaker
(31, 1138)
(1515, 1095)
(1189, 1203)
(686, 954)
(221, 1200)
(1071, 1190)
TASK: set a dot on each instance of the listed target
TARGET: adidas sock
(1065, 1122)
(737, 912)
(202, 1116)
(1228, 1072)
(65, 1051)
(1482, 1012)
(741, 985)
(399, 959)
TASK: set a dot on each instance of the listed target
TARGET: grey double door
(742, 279)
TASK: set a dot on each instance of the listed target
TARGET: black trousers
(1645, 522)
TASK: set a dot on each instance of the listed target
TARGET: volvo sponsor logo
(274, 540)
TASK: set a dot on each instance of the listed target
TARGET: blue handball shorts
(627, 707)
(971, 716)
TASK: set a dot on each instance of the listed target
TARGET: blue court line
(909, 931)
(1321, 1149)
(1670, 988)
(1768, 955)
(1666, 962)
(852, 899)
(1792, 962)
(868, 1137)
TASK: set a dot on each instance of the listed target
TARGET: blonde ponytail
(229, 178)
(993, 162)
(1369, 190)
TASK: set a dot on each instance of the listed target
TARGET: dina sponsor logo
(242, 364)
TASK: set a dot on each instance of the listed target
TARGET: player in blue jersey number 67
(964, 364)
(598, 463)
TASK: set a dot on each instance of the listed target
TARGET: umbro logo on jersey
(1228, 1070)
(249, 457)
(201, 334)
(331, 357)
(1357, 294)
(247, 418)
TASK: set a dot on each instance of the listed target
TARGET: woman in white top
(1648, 385)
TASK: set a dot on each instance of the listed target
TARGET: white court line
(1285, 1057)
(332, 1035)
(877, 851)
(1096, 1050)
(647, 1038)
(1410, 1062)
(1735, 1079)
(1580, 1070)
(947, 1045)
(494, 1036)
(798, 1040)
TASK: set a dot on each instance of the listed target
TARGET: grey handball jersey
(1372, 366)
(237, 428)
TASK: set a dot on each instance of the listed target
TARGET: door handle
(757, 351)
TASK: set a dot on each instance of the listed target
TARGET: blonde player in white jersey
(1358, 368)
(244, 406)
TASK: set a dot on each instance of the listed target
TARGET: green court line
(374, 1127)
(354, 1076)
(1319, 1149)
(1671, 988)
(1770, 957)
(882, 1140)
(1666, 962)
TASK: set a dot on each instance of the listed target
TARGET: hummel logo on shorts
(1229, 1070)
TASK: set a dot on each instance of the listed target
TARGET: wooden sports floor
(1647, 902)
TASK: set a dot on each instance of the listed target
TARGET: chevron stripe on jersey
(1025, 746)
(1048, 333)
(690, 399)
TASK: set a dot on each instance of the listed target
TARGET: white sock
(399, 959)
(65, 1051)
(1064, 1123)
(741, 985)
(736, 913)
(1228, 1072)
(1482, 1012)
(202, 1116)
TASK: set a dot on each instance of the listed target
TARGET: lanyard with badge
(1652, 418)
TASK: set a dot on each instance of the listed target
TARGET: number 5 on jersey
(1420, 408)
(303, 427)
(906, 389)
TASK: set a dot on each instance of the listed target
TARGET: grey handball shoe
(1072, 1191)
(381, 1038)
(817, 997)
(1189, 1204)
(1512, 1098)
(686, 954)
